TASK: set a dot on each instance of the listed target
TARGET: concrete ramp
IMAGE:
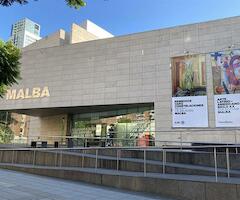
(134, 170)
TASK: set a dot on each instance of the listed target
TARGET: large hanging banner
(189, 100)
(226, 85)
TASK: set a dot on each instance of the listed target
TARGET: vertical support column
(85, 142)
(34, 157)
(181, 139)
(145, 164)
(96, 161)
(1, 156)
(215, 164)
(61, 156)
(16, 157)
(83, 158)
(118, 155)
(236, 148)
(228, 162)
(56, 159)
(13, 157)
(163, 161)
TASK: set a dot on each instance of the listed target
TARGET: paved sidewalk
(21, 186)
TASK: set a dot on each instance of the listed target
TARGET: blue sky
(119, 17)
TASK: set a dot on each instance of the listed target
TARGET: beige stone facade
(79, 34)
(51, 128)
(131, 69)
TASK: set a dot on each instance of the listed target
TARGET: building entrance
(123, 126)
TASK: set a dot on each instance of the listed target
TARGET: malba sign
(27, 93)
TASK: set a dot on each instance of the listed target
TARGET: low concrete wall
(182, 190)
(48, 158)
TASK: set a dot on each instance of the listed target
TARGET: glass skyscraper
(25, 32)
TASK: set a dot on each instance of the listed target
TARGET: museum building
(173, 84)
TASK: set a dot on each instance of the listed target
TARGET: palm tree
(72, 3)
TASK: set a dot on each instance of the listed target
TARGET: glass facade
(119, 127)
(32, 27)
(25, 32)
(13, 128)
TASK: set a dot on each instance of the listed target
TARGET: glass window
(122, 125)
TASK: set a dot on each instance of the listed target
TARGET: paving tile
(21, 186)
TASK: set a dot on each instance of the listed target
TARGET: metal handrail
(160, 148)
(144, 160)
(77, 137)
(176, 137)
(162, 132)
(188, 130)
(62, 139)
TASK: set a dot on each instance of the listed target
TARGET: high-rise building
(25, 32)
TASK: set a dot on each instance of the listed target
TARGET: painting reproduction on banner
(189, 101)
(226, 86)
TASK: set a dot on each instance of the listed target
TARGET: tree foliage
(76, 3)
(6, 134)
(9, 65)
(72, 3)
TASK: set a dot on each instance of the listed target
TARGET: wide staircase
(199, 172)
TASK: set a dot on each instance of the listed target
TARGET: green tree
(9, 65)
(72, 3)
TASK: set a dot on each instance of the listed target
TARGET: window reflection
(122, 127)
